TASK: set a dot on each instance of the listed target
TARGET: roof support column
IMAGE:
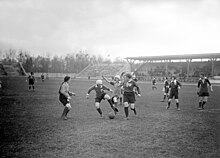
(213, 65)
(166, 64)
(188, 66)
(131, 62)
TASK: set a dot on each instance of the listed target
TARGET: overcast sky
(116, 27)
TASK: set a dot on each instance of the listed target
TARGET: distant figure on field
(42, 77)
(31, 81)
(202, 90)
(154, 84)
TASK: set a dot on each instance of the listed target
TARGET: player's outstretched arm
(211, 88)
(105, 79)
(72, 93)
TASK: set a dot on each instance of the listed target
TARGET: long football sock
(203, 103)
(164, 97)
(126, 111)
(64, 111)
(200, 104)
(135, 112)
(168, 104)
(110, 102)
(177, 105)
(99, 110)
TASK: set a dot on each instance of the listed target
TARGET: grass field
(30, 124)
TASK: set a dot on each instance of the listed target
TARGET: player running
(117, 89)
(64, 96)
(202, 90)
(173, 92)
(99, 88)
(165, 89)
(129, 94)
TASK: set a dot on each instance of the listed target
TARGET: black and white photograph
(109, 78)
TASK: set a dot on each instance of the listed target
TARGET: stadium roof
(177, 57)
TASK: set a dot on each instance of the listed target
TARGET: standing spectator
(202, 90)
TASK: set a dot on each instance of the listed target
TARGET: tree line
(70, 63)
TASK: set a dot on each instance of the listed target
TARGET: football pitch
(30, 124)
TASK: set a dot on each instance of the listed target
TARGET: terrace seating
(102, 69)
(15, 69)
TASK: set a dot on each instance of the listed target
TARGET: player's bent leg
(97, 105)
(205, 99)
(110, 102)
(200, 103)
(65, 111)
(177, 104)
(133, 108)
(168, 104)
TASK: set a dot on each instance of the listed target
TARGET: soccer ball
(111, 115)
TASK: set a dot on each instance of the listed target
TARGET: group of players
(125, 90)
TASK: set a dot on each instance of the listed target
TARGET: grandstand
(15, 69)
(186, 67)
(104, 69)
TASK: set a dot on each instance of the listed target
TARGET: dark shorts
(173, 94)
(129, 97)
(31, 82)
(63, 99)
(203, 94)
(166, 90)
(99, 99)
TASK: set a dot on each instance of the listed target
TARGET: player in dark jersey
(202, 90)
(64, 96)
(154, 84)
(31, 81)
(99, 88)
(42, 77)
(173, 92)
(165, 89)
(129, 94)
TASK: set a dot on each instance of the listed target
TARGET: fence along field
(31, 125)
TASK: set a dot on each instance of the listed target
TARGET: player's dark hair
(32, 73)
(66, 78)
(123, 73)
(128, 75)
(202, 74)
